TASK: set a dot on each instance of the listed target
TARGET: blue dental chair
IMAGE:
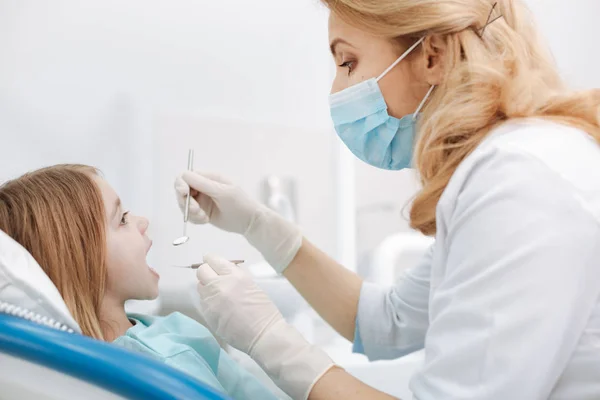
(44, 356)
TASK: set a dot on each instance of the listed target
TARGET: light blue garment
(183, 343)
(359, 114)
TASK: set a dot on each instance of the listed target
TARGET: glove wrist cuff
(276, 238)
(290, 360)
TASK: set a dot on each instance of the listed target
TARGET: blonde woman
(94, 251)
(507, 302)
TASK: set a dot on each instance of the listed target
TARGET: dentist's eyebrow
(335, 42)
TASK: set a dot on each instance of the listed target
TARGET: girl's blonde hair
(491, 75)
(57, 214)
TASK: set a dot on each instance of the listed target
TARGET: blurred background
(130, 86)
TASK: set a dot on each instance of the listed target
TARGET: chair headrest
(23, 283)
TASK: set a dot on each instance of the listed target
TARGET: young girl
(94, 251)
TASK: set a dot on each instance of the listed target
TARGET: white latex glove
(238, 311)
(215, 200)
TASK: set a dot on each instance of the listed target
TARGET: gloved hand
(215, 200)
(238, 311)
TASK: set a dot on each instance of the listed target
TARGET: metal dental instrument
(183, 239)
(195, 266)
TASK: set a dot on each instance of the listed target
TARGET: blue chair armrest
(120, 371)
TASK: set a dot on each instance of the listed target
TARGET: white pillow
(23, 283)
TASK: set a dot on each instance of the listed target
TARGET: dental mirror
(183, 239)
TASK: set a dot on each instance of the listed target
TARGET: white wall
(572, 31)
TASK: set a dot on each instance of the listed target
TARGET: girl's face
(128, 275)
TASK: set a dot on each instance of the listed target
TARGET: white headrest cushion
(23, 283)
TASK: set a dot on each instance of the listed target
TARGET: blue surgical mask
(361, 120)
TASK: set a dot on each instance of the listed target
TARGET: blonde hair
(57, 214)
(491, 75)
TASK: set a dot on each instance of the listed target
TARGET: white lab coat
(507, 302)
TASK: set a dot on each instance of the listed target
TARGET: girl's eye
(124, 218)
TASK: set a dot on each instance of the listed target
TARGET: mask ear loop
(423, 102)
(402, 57)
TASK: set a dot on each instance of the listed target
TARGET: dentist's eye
(349, 65)
(124, 218)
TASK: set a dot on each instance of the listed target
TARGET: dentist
(507, 301)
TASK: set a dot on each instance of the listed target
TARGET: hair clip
(488, 22)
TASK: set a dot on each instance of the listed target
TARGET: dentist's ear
(434, 49)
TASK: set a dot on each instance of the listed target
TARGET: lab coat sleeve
(520, 284)
(391, 322)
